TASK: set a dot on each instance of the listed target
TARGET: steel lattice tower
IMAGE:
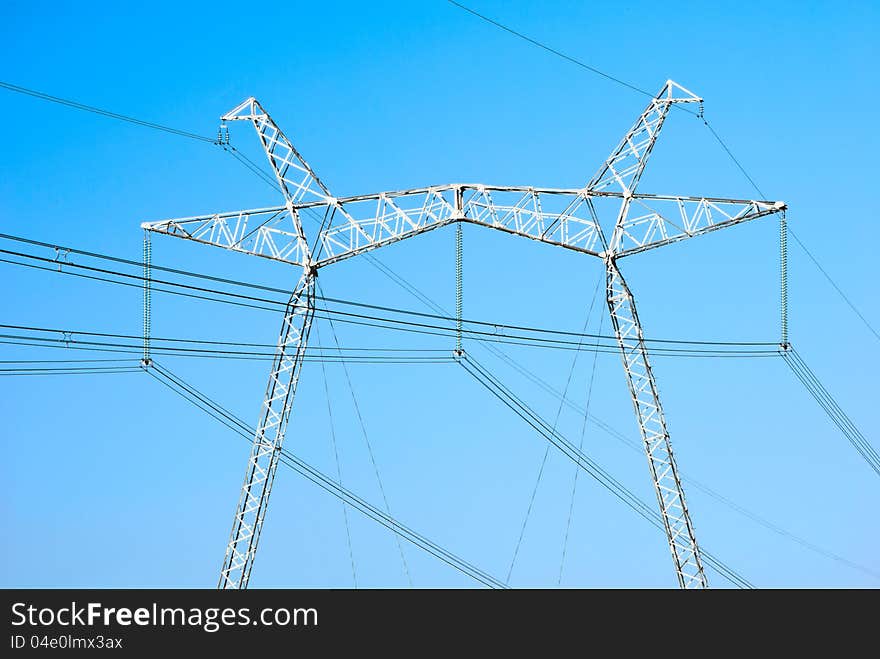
(563, 217)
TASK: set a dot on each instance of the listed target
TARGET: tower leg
(263, 459)
(652, 424)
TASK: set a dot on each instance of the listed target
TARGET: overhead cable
(291, 461)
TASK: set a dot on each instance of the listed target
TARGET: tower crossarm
(358, 224)
(375, 220)
(551, 215)
(266, 232)
(651, 221)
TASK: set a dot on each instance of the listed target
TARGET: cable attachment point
(62, 256)
(222, 134)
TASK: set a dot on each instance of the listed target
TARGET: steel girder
(389, 217)
(349, 226)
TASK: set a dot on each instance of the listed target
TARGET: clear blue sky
(111, 480)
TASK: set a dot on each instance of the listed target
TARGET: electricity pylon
(564, 217)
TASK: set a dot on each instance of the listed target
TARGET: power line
(831, 407)
(360, 418)
(775, 528)
(105, 113)
(224, 144)
(290, 460)
(228, 148)
(834, 284)
(335, 447)
(133, 369)
(616, 434)
(67, 361)
(128, 348)
(67, 249)
(374, 307)
(251, 165)
(490, 347)
(312, 348)
(97, 370)
(386, 322)
(551, 50)
(580, 448)
(123, 348)
(582, 460)
(547, 447)
(732, 157)
(692, 482)
(69, 338)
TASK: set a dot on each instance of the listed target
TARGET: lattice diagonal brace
(652, 424)
(297, 180)
(263, 461)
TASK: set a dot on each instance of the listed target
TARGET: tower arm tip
(688, 96)
(247, 109)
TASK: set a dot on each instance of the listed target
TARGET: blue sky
(111, 480)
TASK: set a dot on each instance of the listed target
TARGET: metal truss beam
(651, 221)
(562, 217)
(266, 232)
(363, 223)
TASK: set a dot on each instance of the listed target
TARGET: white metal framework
(563, 217)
